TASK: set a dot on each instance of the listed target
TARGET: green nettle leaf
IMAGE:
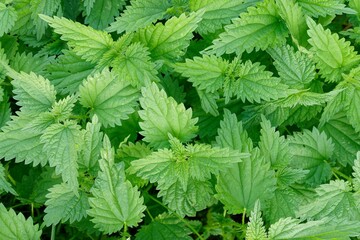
(291, 12)
(346, 140)
(42, 7)
(333, 56)
(86, 42)
(92, 144)
(242, 184)
(250, 81)
(15, 226)
(107, 96)
(5, 111)
(209, 102)
(31, 63)
(255, 229)
(127, 66)
(312, 151)
(139, 15)
(115, 203)
(63, 204)
(185, 171)
(273, 146)
(5, 186)
(8, 18)
(356, 173)
(206, 73)
(164, 227)
(103, 12)
(167, 42)
(294, 68)
(34, 93)
(21, 144)
(258, 28)
(61, 145)
(162, 116)
(219, 12)
(68, 72)
(62, 109)
(324, 7)
(334, 200)
(288, 228)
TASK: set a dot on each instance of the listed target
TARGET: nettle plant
(179, 119)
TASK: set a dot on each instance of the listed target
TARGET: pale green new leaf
(61, 145)
(162, 115)
(291, 12)
(34, 93)
(48, 7)
(334, 200)
(206, 73)
(219, 12)
(333, 56)
(68, 72)
(86, 42)
(346, 140)
(5, 186)
(103, 12)
(164, 227)
(62, 109)
(168, 42)
(258, 28)
(316, 8)
(15, 226)
(294, 68)
(115, 202)
(312, 151)
(64, 205)
(139, 14)
(107, 96)
(250, 81)
(21, 144)
(92, 144)
(256, 229)
(8, 17)
(289, 228)
(243, 183)
(273, 146)
(135, 66)
(356, 173)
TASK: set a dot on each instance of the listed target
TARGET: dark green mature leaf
(324, 7)
(61, 144)
(294, 68)
(64, 205)
(15, 226)
(312, 151)
(139, 15)
(258, 28)
(103, 12)
(162, 115)
(5, 186)
(4, 111)
(334, 200)
(8, 17)
(346, 140)
(107, 96)
(164, 227)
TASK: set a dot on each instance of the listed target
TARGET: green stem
(148, 212)
(243, 217)
(53, 229)
(179, 217)
(337, 173)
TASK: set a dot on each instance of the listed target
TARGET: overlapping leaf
(115, 202)
(5, 186)
(15, 226)
(324, 7)
(162, 115)
(258, 28)
(8, 17)
(107, 96)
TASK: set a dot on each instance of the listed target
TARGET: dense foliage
(179, 119)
